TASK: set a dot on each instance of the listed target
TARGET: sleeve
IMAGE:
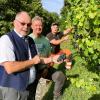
(6, 49)
(61, 34)
(50, 36)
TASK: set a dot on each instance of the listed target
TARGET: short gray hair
(37, 18)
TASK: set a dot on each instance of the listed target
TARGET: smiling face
(54, 29)
(37, 27)
(22, 23)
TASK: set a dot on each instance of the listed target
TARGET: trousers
(48, 73)
(13, 94)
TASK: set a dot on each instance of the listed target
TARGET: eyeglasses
(23, 24)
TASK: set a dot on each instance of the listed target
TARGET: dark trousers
(48, 73)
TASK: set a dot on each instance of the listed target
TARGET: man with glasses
(17, 59)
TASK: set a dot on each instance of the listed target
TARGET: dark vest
(18, 80)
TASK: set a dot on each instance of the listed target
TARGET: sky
(53, 5)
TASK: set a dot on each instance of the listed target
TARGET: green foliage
(9, 8)
(84, 17)
(81, 83)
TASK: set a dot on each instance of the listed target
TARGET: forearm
(15, 66)
(67, 31)
(56, 42)
(50, 59)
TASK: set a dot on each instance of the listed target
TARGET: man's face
(37, 27)
(22, 24)
(54, 29)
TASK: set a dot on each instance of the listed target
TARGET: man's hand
(68, 30)
(36, 59)
(65, 38)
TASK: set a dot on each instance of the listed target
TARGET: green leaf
(92, 15)
(80, 23)
(78, 84)
(86, 52)
(86, 24)
(97, 45)
(95, 56)
(96, 21)
(91, 50)
(90, 42)
(97, 30)
(99, 61)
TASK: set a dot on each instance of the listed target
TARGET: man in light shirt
(16, 59)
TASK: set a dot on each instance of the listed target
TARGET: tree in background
(8, 9)
(84, 17)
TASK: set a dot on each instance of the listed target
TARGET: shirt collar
(18, 33)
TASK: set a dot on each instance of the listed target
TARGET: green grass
(81, 84)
